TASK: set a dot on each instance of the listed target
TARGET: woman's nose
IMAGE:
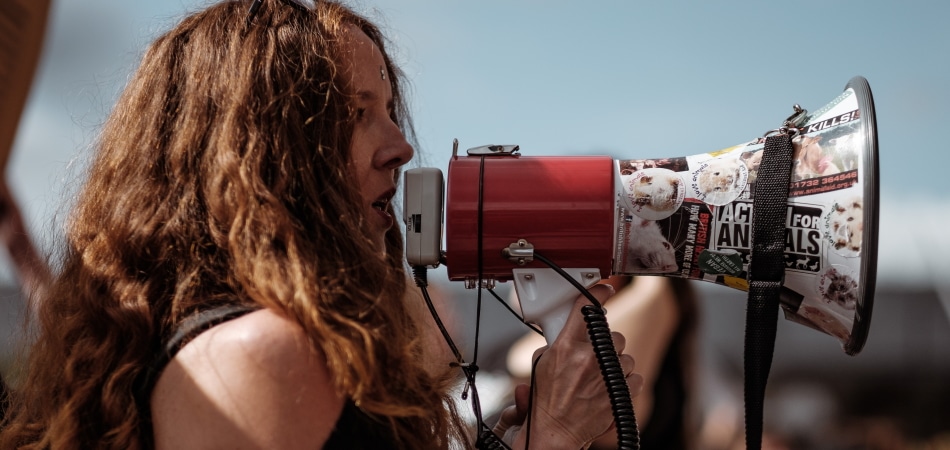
(396, 151)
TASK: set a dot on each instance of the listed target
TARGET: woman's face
(378, 145)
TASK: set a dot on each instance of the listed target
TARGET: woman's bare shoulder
(252, 382)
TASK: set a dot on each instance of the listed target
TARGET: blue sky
(627, 79)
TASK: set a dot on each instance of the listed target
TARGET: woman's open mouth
(381, 206)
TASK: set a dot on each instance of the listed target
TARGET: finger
(506, 420)
(620, 342)
(575, 328)
(522, 399)
(514, 415)
(627, 364)
(635, 383)
(537, 354)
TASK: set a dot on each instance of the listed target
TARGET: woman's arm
(252, 383)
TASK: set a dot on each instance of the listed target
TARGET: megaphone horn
(687, 217)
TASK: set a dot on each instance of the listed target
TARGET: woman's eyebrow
(367, 95)
(371, 96)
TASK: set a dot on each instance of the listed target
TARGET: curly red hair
(220, 177)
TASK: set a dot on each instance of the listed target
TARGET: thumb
(514, 415)
(575, 328)
(522, 394)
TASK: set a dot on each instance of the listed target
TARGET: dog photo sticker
(653, 193)
(719, 181)
(839, 288)
(844, 226)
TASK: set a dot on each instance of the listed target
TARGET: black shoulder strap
(198, 323)
(766, 277)
(187, 330)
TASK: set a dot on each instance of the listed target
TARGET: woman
(250, 164)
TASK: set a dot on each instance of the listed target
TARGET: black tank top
(353, 430)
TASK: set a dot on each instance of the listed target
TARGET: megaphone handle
(546, 298)
(554, 323)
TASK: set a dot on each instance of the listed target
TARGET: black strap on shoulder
(198, 323)
(187, 330)
(766, 277)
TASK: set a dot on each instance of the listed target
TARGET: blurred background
(630, 80)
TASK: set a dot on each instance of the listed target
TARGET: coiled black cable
(617, 389)
(628, 437)
(487, 440)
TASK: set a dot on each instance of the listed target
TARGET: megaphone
(687, 217)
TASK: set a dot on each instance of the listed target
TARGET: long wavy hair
(220, 177)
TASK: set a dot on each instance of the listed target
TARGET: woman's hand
(570, 407)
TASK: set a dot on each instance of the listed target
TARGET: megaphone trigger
(545, 297)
